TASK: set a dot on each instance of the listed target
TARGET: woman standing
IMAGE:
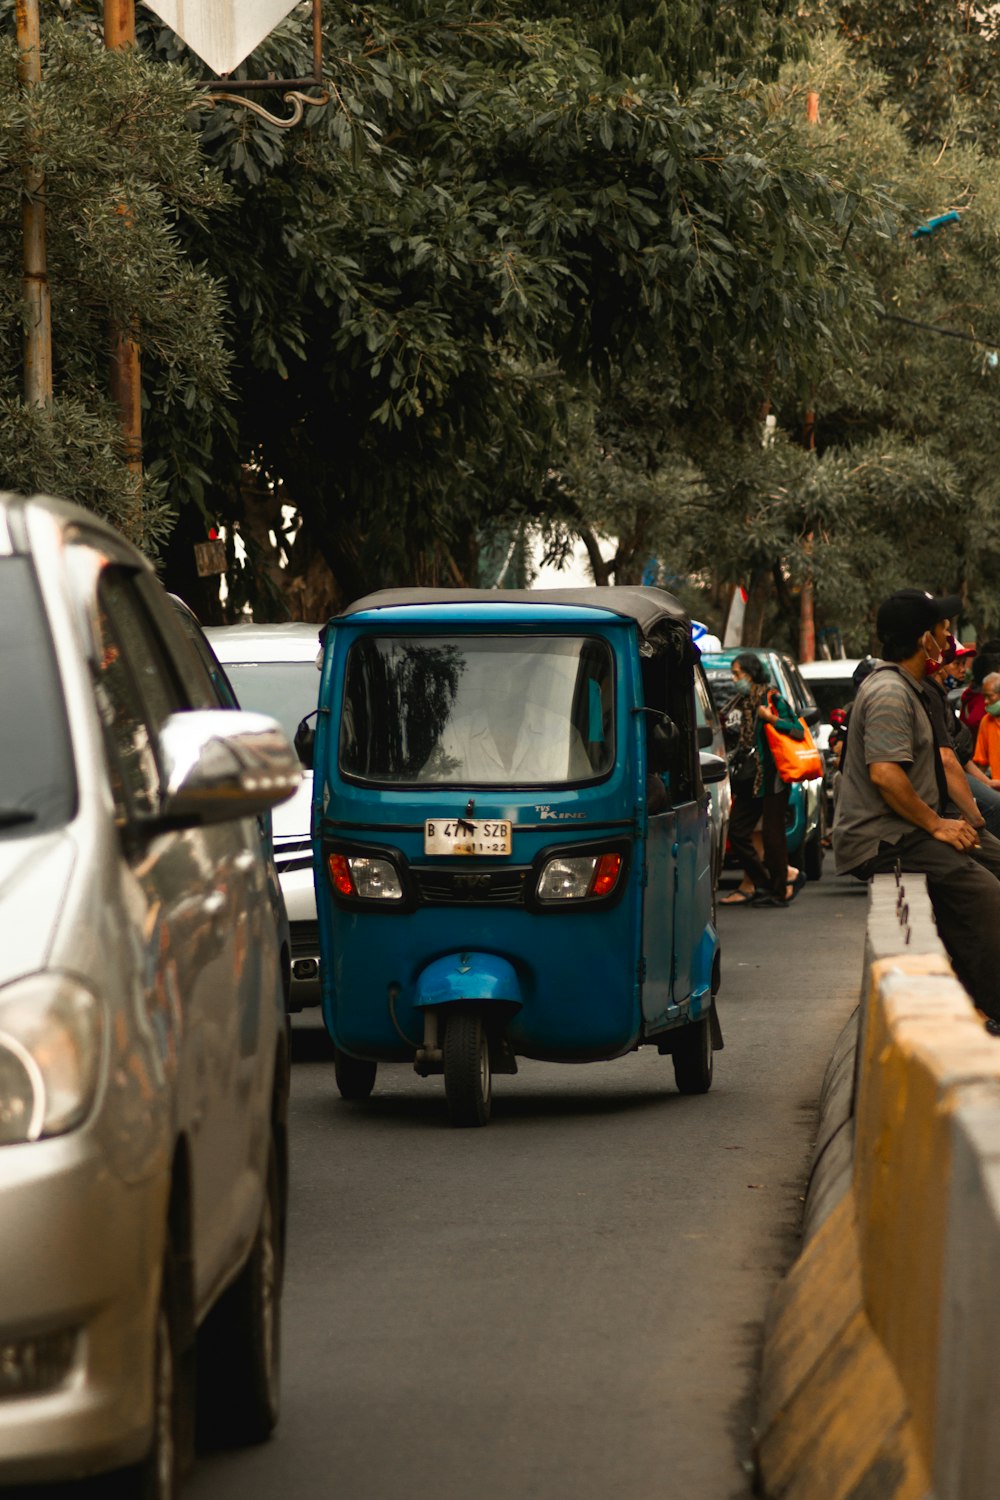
(763, 796)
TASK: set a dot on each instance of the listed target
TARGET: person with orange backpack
(759, 792)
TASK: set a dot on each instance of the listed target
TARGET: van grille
(305, 939)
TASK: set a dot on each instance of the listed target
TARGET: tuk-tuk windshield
(478, 710)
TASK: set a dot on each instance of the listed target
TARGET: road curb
(881, 1343)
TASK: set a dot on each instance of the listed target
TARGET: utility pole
(38, 304)
(126, 374)
(807, 601)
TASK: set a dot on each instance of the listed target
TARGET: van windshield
(478, 710)
(37, 781)
(287, 690)
(832, 692)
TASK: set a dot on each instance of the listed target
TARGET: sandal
(794, 886)
(738, 898)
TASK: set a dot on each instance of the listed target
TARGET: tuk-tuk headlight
(365, 878)
(579, 877)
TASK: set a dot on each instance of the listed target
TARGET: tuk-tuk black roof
(648, 607)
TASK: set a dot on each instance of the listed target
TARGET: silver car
(273, 669)
(143, 1045)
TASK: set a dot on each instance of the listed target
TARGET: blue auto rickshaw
(511, 837)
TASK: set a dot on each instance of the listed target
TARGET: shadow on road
(311, 1044)
(526, 1107)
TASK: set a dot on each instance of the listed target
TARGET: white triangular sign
(222, 32)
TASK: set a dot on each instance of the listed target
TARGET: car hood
(34, 876)
(291, 819)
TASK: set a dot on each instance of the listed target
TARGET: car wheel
(468, 1078)
(692, 1055)
(812, 855)
(158, 1476)
(239, 1345)
(355, 1075)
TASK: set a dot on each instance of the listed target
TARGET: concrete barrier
(882, 1341)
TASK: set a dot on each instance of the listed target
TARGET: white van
(273, 669)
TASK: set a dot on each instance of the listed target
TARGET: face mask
(993, 708)
(743, 686)
(932, 649)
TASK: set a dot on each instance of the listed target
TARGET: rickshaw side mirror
(662, 744)
(305, 741)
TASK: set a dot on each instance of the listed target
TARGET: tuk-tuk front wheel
(468, 1081)
(692, 1056)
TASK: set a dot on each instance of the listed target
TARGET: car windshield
(478, 710)
(721, 686)
(37, 782)
(287, 690)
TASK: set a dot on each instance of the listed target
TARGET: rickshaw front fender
(460, 977)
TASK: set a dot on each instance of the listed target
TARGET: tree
(902, 486)
(485, 230)
(121, 166)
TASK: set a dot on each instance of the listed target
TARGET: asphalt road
(568, 1303)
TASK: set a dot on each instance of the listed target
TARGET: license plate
(466, 836)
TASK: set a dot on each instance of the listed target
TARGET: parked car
(712, 741)
(143, 1042)
(808, 802)
(223, 696)
(272, 668)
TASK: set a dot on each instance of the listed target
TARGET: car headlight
(579, 877)
(51, 1034)
(364, 878)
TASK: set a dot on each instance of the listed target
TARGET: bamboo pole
(126, 367)
(37, 299)
(807, 598)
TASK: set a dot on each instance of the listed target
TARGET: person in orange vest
(987, 751)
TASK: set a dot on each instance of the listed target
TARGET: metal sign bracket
(291, 89)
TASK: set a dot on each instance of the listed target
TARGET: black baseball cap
(906, 614)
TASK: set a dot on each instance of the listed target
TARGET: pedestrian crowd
(916, 780)
(917, 785)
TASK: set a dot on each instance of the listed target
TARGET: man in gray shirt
(894, 805)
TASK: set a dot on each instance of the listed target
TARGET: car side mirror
(305, 740)
(222, 764)
(705, 736)
(713, 768)
(812, 716)
(662, 744)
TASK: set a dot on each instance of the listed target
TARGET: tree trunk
(600, 569)
(757, 601)
(260, 516)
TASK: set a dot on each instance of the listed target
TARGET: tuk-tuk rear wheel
(355, 1075)
(468, 1081)
(692, 1056)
